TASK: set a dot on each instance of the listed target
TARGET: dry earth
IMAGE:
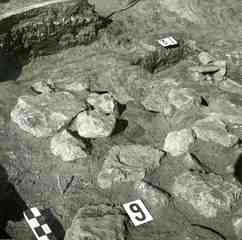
(95, 113)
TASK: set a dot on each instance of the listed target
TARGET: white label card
(169, 41)
(137, 212)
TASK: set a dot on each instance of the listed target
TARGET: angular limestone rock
(184, 98)
(97, 222)
(178, 142)
(45, 114)
(237, 220)
(204, 69)
(155, 98)
(43, 87)
(210, 129)
(128, 163)
(225, 110)
(67, 147)
(205, 58)
(198, 77)
(103, 102)
(237, 223)
(94, 124)
(152, 195)
(231, 86)
(219, 75)
(208, 195)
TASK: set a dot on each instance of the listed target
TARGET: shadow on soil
(54, 224)
(238, 169)
(10, 68)
(11, 203)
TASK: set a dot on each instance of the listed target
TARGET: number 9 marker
(137, 212)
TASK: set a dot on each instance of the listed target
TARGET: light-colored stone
(155, 103)
(208, 197)
(205, 58)
(94, 124)
(151, 194)
(184, 98)
(237, 224)
(220, 75)
(198, 77)
(155, 98)
(204, 69)
(67, 147)
(178, 142)
(104, 102)
(73, 86)
(231, 86)
(223, 109)
(45, 114)
(213, 130)
(128, 163)
(43, 86)
(99, 222)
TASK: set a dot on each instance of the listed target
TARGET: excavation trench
(45, 29)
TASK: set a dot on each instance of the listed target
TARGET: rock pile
(46, 114)
(128, 164)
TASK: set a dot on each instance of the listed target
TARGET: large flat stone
(213, 130)
(156, 92)
(208, 195)
(152, 195)
(45, 114)
(128, 163)
(184, 98)
(224, 109)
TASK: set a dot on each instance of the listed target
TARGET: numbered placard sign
(137, 212)
(168, 41)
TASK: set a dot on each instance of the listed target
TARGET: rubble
(97, 222)
(204, 69)
(103, 102)
(205, 58)
(208, 196)
(178, 142)
(184, 98)
(128, 163)
(43, 87)
(45, 114)
(210, 129)
(152, 195)
(67, 147)
(94, 124)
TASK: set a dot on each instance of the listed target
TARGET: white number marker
(166, 42)
(137, 212)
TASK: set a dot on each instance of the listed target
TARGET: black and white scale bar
(38, 225)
